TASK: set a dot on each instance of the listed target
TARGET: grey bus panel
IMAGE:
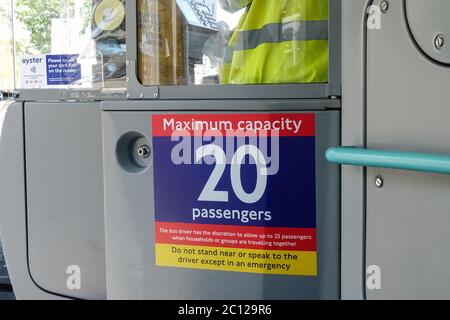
(129, 220)
(13, 200)
(65, 196)
(407, 110)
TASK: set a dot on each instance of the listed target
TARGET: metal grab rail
(411, 161)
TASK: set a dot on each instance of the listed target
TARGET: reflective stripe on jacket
(279, 41)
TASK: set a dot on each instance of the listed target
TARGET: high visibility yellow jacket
(278, 41)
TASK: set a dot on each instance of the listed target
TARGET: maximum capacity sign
(235, 192)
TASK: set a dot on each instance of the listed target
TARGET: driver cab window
(204, 42)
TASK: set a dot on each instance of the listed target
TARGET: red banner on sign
(267, 124)
(264, 238)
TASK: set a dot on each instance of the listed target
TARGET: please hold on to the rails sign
(235, 192)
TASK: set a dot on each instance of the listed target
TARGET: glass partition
(203, 42)
(6, 47)
(81, 44)
(70, 44)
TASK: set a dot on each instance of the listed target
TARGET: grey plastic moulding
(135, 90)
(69, 94)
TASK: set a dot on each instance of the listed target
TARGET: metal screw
(439, 41)
(379, 181)
(141, 95)
(127, 79)
(144, 151)
(155, 95)
(384, 6)
(127, 62)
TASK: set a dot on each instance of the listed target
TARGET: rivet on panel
(439, 42)
(379, 182)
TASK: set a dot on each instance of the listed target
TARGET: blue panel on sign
(290, 194)
(63, 69)
(288, 197)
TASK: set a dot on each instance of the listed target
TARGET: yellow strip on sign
(237, 260)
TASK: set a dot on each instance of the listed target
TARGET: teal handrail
(412, 161)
